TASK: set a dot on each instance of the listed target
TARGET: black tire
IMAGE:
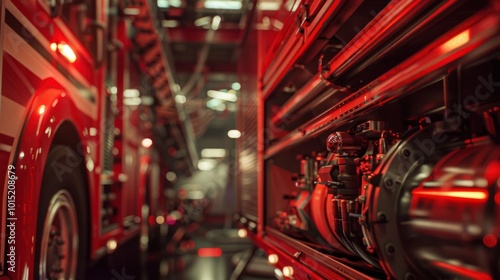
(62, 233)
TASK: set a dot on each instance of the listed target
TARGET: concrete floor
(129, 263)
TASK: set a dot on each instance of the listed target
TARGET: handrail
(393, 18)
(427, 65)
(294, 48)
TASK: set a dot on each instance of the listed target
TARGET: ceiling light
(222, 4)
(236, 86)
(169, 23)
(195, 195)
(111, 245)
(222, 95)
(175, 3)
(113, 90)
(242, 233)
(234, 133)
(181, 99)
(132, 92)
(272, 258)
(213, 153)
(147, 100)
(162, 3)
(131, 11)
(216, 22)
(288, 271)
(269, 6)
(212, 103)
(171, 176)
(133, 101)
(147, 142)
(278, 24)
(202, 21)
(221, 107)
(206, 164)
(292, 5)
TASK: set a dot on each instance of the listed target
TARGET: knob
(344, 144)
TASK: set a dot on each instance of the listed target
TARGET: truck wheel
(61, 240)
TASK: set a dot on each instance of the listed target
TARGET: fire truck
(376, 126)
(86, 98)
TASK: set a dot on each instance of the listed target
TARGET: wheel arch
(51, 118)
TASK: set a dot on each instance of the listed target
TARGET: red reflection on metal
(468, 273)
(209, 252)
(151, 220)
(497, 198)
(492, 173)
(459, 40)
(171, 220)
(490, 240)
(473, 195)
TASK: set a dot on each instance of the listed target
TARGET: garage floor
(205, 253)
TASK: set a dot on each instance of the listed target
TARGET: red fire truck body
(375, 125)
(65, 66)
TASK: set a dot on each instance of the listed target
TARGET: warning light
(489, 240)
(111, 245)
(209, 252)
(65, 50)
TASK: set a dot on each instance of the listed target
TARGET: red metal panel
(425, 66)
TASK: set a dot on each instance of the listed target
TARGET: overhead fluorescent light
(216, 22)
(131, 92)
(147, 100)
(177, 88)
(226, 96)
(202, 21)
(133, 101)
(234, 133)
(169, 23)
(278, 24)
(222, 4)
(147, 142)
(292, 5)
(131, 11)
(221, 107)
(175, 3)
(206, 164)
(269, 6)
(162, 3)
(195, 195)
(216, 104)
(212, 103)
(213, 153)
